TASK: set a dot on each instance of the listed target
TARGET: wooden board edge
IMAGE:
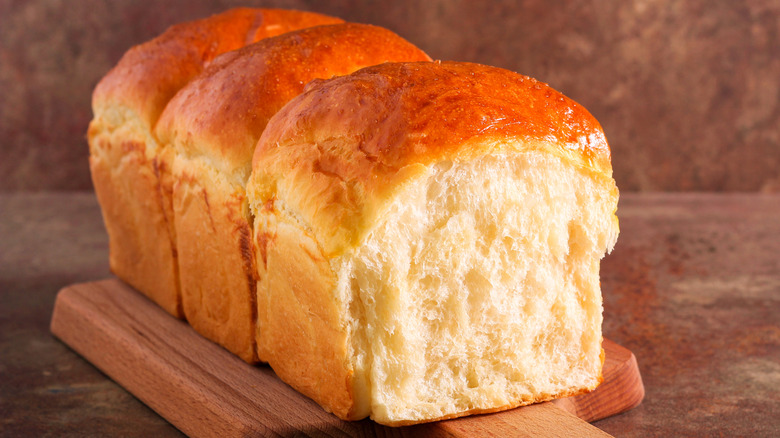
(78, 322)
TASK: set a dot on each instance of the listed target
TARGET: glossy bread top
(149, 74)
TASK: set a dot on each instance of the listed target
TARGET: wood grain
(205, 391)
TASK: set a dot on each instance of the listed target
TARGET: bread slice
(213, 125)
(130, 171)
(428, 238)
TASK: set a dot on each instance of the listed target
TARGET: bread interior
(478, 289)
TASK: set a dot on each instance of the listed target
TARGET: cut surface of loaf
(428, 239)
(212, 126)
(130, 171)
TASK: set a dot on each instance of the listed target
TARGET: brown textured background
(688, 91)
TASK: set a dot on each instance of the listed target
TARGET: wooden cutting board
(205, 391)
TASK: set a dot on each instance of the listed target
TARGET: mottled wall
(687, 91)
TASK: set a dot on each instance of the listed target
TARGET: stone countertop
(692, 288)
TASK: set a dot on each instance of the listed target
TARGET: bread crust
(131, 174)
(301, 331)
(218, 275)
(141, 253)
(213, 125)
(150, 74)
(517, 404)
(221, 113)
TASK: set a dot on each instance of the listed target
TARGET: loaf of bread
(130, 170)
(428, 239)
(212, 125)
(398, 238)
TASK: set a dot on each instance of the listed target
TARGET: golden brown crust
(356, 137)
(222, 113)
(149, 75)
